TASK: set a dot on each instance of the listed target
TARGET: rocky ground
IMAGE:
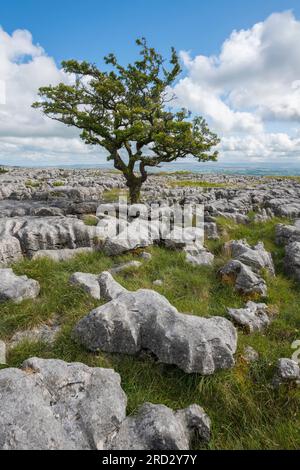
(108, 338)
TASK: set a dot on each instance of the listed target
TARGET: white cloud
(250, 93)
(253, 82)
(25, 134)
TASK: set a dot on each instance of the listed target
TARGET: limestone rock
(145, 320)
(125, 266)
(17, 288)
(53, 405)
(61, 255)
(287, 371)
(50, 404)
(292, 259)
(157, 427)
(243, 278)
(89, 282)
(254, 317)
(109, 288)
(257, 258)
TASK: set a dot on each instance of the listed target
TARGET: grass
(3, 171)
(32, 184)
(113, 194)
(90, 220)
(57, 184)
(246, 412)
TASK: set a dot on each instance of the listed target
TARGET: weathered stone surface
(125, 266)
(287, 371)
(140, 320)
(211, 231)
(136, 235)
(10, 250)
(50, 404)
(48, 233)
(157, 427)
(254, 317)
(243, 278)
(17, 288)
(197, 255)
(89, 282)
(146, 256)
(180, 237)
(109, 288)
(257, 258)
(2, 352)
(285, 234)
(45, 333)
(61, 255)
(292, 259)
(250, 355)
(53, 405)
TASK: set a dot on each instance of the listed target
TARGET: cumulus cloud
(248, 93)
(25, 134)
(253, 82)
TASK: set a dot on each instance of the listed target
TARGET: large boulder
(53, 405)
(17, 288)
(145, 320)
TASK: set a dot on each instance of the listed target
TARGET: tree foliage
(125, 110)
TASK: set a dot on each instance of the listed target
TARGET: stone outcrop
(53, 405)
(17, 288)
(145, 320)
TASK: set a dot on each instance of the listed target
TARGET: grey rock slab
(287, 371)
(44, 333)
(250, 355)
(257, 258)
(50, 404)
(157, 427)
(146, 256)
(61, 255)
(17, 288)
(138, 234)
(145, 320)
(243, 278)
(254, 317)
(89, 282)
(285, 234)
(53, 405)
(292, 259)
(125, 266)
(10, 250)
(109, 288)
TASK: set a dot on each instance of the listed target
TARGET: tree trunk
(134, 191)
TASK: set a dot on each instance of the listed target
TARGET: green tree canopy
(125, 110)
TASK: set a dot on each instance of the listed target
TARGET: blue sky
(89, 29)
(213, 84)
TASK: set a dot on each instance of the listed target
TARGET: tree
(125, 111)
